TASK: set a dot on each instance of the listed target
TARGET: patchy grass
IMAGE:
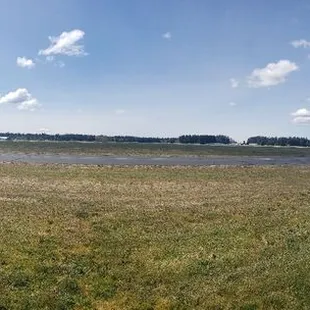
(76, 237)
(145, 149)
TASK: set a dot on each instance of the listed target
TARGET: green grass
(76, 237)
(103, 149)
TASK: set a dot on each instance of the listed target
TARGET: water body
(165, 161)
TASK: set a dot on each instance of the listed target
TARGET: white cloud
(301, 112)
(232, 104)
(29, 105)
(300, 43)
(23, 62)
(167, 36)
(273, 74)
(301, 116)
(301, 120)
(119, 111)
(22, 98)
(65, 44)
(234, 83)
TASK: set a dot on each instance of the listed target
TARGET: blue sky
(159, 68)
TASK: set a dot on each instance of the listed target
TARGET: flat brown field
(77, 237)
(145, 149)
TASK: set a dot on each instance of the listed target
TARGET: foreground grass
(75, 237)
(144, 149)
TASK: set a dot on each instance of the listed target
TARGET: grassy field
(103, 149)
(76, 237)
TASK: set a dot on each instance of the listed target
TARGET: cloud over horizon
(301, 116)
(271, 75)
(21, 98)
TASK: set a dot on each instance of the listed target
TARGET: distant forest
(198, 139)
(184, 139)
(281, 141)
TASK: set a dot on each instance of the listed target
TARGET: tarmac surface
(162, 161)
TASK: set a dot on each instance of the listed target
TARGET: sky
(156, 67)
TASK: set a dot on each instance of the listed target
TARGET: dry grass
(145, 149)
(75, 237)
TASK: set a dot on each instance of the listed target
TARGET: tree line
(192, 139)
(205, 139)
(47, 137)
(279, 141)
(184, 139)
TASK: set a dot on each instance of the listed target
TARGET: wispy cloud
(300, 43)
(50, 58)
(24, 62)
(232, 104)
(21, 98)
(65, 44)
(59, 64)
(271, 75)
(167, 36)
(119, 111)
(234, 83)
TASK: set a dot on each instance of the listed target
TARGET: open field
(141, 149)
(77, 237)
